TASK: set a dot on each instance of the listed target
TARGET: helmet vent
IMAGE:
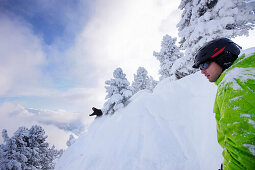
(215, 49)
(218, 52)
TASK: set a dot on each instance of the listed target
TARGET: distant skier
(234, 106)
(97, 112)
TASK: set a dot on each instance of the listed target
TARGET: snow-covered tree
(70, 141)
(152, 83)
(118, 92)
(168, 54)
(143, 81)
(27, 149)
(205, 20)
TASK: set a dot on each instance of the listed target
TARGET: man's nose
(203, 71)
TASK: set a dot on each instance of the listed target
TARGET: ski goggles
(204, 66)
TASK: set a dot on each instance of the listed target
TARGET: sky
(55, 56)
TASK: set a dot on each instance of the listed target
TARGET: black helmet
(222, 50)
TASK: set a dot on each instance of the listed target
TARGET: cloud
(53, 30)
(18, 115)
(67, 121)
(121, 33)
(33, 73)
(51, 19)
(58, 123)
(21, 56)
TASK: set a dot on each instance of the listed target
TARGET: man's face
(213, 72)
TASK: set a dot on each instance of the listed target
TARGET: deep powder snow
(171, 128)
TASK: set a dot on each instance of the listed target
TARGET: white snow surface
(172, 128)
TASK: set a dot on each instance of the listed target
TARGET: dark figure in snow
(97, 112)
(234, 106)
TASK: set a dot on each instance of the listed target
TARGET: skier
(234, 106)
(96, 112)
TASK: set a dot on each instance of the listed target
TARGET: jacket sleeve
(236, 127)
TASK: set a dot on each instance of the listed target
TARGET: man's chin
(211, 79)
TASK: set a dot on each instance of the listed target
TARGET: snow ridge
(171, 128)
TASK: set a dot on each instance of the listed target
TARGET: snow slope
(171, 128)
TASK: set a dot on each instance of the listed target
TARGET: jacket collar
(219, 80)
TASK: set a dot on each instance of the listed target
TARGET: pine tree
(143, 81)
(119, 91)
(168, 54)
(27, 149)
(152, 83)
(205, 20)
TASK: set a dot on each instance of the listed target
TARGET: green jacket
(234, 110)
